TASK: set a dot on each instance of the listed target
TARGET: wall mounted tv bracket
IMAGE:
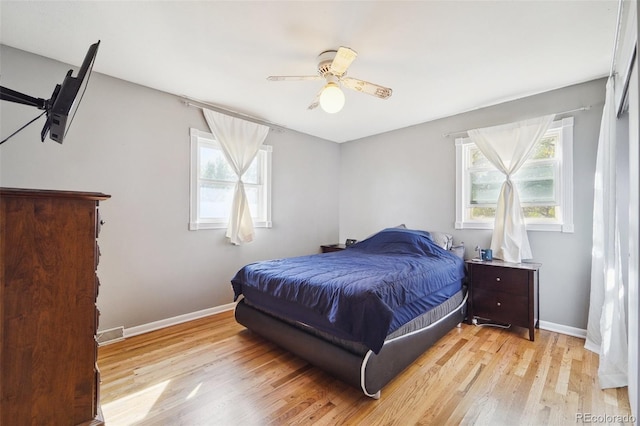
(64, 101)
(10, 95)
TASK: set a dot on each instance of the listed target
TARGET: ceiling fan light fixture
(332, 67)
(332, 98)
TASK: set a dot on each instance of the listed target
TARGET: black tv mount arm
(10, 95)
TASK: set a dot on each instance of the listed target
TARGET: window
(213, 182)
(544, 182)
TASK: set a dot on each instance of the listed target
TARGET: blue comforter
(360, 294)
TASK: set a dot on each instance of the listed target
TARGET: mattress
(361, 294)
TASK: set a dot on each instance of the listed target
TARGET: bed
(362, 314)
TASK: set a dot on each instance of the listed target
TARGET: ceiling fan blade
(316, 101)
(294, 77)
(366, 87)
(343, 59)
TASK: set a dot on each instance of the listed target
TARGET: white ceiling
(439, 57)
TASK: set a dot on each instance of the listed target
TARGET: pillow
(442, 239)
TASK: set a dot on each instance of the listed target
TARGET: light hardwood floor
(213, 371)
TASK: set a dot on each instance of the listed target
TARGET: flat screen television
(66, 98)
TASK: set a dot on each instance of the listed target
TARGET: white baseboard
(563, 329)
(156, 325)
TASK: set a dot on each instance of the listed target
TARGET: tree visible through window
(544, 183)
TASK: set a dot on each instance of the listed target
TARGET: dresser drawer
(507, 280)
(500, 306)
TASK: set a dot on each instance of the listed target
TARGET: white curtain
(240, 141)
(606, 328)
(507, 147)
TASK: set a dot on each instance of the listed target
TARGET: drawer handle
(499, 304)
(498, 279)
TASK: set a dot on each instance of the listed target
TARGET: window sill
(196, 226)
(546, 227)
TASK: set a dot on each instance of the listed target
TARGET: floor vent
(112, 335)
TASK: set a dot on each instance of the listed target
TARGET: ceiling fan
(332, 67)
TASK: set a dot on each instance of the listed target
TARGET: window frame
(198, 139)
(564, 153)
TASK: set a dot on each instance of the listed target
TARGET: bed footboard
(369, 372)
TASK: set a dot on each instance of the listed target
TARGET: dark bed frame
(370, 371)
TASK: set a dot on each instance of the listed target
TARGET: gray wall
(408, 176)
(133, 143)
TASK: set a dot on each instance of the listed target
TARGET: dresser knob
(499, 304)
(498, 279)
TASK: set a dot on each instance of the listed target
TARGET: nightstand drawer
(500, 306)
(508, 280)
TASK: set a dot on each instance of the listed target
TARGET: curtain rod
(615, 39)
(200, 104)
(464, 132)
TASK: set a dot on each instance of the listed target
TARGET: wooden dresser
(504, 292)
(48, 314)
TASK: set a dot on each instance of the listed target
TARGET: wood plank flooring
(213, 371)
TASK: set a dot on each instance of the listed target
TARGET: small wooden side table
(505, 292)
(328, 248)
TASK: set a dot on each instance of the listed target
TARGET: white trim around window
(259, 185)
(564, 173)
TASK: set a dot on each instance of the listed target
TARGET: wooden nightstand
(327, 248)
(505, 292)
